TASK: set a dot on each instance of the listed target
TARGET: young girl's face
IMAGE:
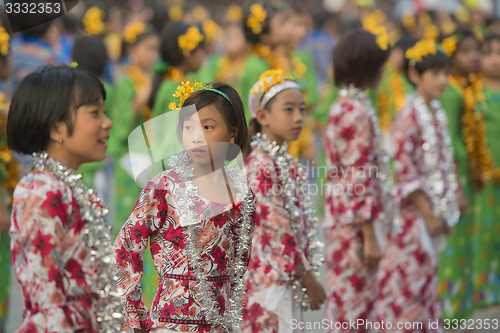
(234, 41)
(194, 60)
(285, 120)
(490, 59)
(145, 53)
(431, 83)
(277, 34)
(87, 143)
(467, 56)
(200, 130)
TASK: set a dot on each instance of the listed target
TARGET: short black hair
(44, 98)
(490, 39)
(91, 55)
(233, 113)
(357, 59)
(439, 60)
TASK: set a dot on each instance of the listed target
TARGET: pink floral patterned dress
(156, 220)
(50, 259)
(353, 196)
(277, 255)
(408, 271)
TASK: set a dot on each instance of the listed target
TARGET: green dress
(455, 261)
(486, 249)
(254, 67)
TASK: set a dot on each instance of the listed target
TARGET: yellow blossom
(172, 106)
(93, 21)
(256, 18)
(210, 28)
(190, 40)
(449, 45)
(234, 13)
(4, 41)
(132, 30)
(175, 13)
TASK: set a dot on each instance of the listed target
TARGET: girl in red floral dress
(199, 235)
(358, 207)
(285, 251)
(427, 193)
(61, 247)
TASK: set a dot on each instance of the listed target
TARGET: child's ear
(58, 132)
(263, 117)
(413, 75)
(234, 135)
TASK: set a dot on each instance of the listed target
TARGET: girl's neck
(54, 152)
(427, 99)
(272, 137)
(492, 83)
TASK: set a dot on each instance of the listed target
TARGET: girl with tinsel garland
(200, 259)
(427, 196)
(181, 52)
(460, 99)
(285, 255)
(359, 207)
(486, 245)
(61, 247)
(9, 176)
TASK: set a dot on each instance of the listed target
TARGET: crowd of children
(397, 130)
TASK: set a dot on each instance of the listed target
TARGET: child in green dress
(486, 250)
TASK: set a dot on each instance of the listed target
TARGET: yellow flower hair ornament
(93, 21)
(270, 83)
(256, 19)
(4, 41)
(210, 29)
(132, 31)
(373, 23)
(234, 13)
(449, 45)
(190, 40)
(420, 50)
(185, 90)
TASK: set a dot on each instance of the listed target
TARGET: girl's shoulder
(41, 184)
(257, 159)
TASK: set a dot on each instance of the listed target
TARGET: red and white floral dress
(408, 271)
(156, 220)
(50, 258)
(277, 255)
(353, 196)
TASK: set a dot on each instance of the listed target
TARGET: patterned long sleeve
(407, 140)
(352, 194)
(50, 258)
(148, 215)
(276, 252)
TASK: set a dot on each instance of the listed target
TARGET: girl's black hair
(44, 98)
(490, 39)
(170, 53)
(357, 59)
(91, 55)
(234, 115)
(433, 61)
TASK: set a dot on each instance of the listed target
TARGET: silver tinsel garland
(391, 212)
(442, 188)
(97, 238)
(187, 196)
(294, 191)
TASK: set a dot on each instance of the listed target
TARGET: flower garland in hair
(97, 238)
(187, 195)
(427, 47)
(256, 19)
(295, 191)
(190, 40)
(184, 91)
(93, 21)
(132, 31)
(4, 41)
(373, 23)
